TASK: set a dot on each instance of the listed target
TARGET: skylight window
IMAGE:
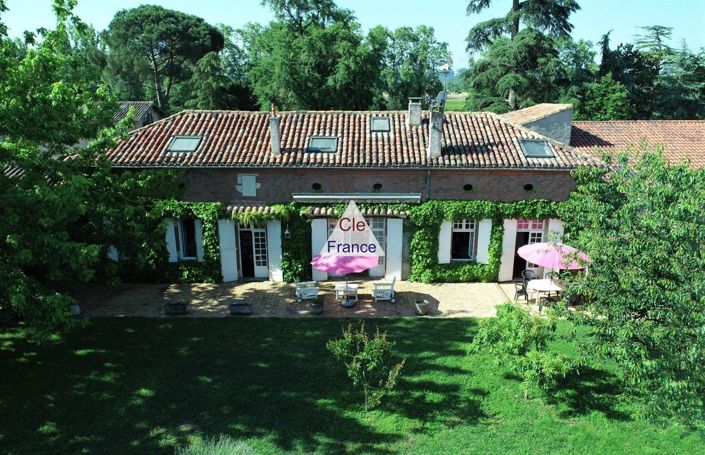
(380, 124)
(534, 148)
(322, 144)
(184, 144)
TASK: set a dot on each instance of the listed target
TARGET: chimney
(414, 118)
(435, 132)
(274, 131)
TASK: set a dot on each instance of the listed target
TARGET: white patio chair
(384, 291)
(306, 290)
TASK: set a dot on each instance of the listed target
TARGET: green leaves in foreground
(369, 361)
(520, 339)
(643, 228)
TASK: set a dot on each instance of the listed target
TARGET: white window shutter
(228, 250)
(444, 237)
(506, 267)
(484, 230)
(199, 239)
(555, 230)
(171, 241)
(247, 185)
(113, 253)
(274, 250)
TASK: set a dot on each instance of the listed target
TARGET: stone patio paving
(277, 299)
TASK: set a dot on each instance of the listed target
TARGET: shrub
(520, 339)
(219, 445)
(369, 361)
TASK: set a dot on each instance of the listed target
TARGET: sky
(447, 17)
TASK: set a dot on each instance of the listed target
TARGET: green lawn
(457, 105)
(145, 385)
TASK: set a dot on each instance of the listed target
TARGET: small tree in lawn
(520, 339)
(369, 361)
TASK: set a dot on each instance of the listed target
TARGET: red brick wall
(277, 185)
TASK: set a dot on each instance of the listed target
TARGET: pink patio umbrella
(342, 265)
(554, 256)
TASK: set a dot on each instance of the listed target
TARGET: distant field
(456, 102)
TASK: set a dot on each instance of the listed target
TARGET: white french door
(253, 251)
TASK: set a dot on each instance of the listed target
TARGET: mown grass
(455, 105)
(148, 385)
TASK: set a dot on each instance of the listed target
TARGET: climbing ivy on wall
(155, 265)
(425, 222)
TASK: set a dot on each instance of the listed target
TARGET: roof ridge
(567, 147)
(642, 120)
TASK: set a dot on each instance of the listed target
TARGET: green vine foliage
(426, 222)
(155, 266)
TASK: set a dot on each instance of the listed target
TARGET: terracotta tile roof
(242, 139)
(681, 139)
(240, 209)
(141, 107)
(366, 211)
(315, 211)
(535, 112)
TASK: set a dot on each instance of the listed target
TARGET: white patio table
(542, 285)
(346, 291)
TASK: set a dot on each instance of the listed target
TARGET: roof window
(380, 124)
(322, 144)
(536, 148)
(184, 144)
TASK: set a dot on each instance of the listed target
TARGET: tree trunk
(516, 6)
(157, 84)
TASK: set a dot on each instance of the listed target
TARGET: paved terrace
(456, 300)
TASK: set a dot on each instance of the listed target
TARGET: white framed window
(378, 226)
(247, 184)
(531, 225)
(186, 240)
(463, 240)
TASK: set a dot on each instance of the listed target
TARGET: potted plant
(316, 306)
(422, 308)
(176, 308)
(239, 307)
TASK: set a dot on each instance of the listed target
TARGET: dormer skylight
(322, 144)
(380, 125)
(185, 144)
(536, 148)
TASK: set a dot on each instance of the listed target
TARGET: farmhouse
(389, 162)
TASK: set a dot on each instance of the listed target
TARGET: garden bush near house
(369, 362)
(520, 339)
(219, 445)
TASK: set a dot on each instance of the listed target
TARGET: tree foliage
(311, 59)
(152, 49)
(516, 73)
(605, 99)
(63, 206)
(520, 67)
(411, 59)
(643, 228)
(546, 16)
